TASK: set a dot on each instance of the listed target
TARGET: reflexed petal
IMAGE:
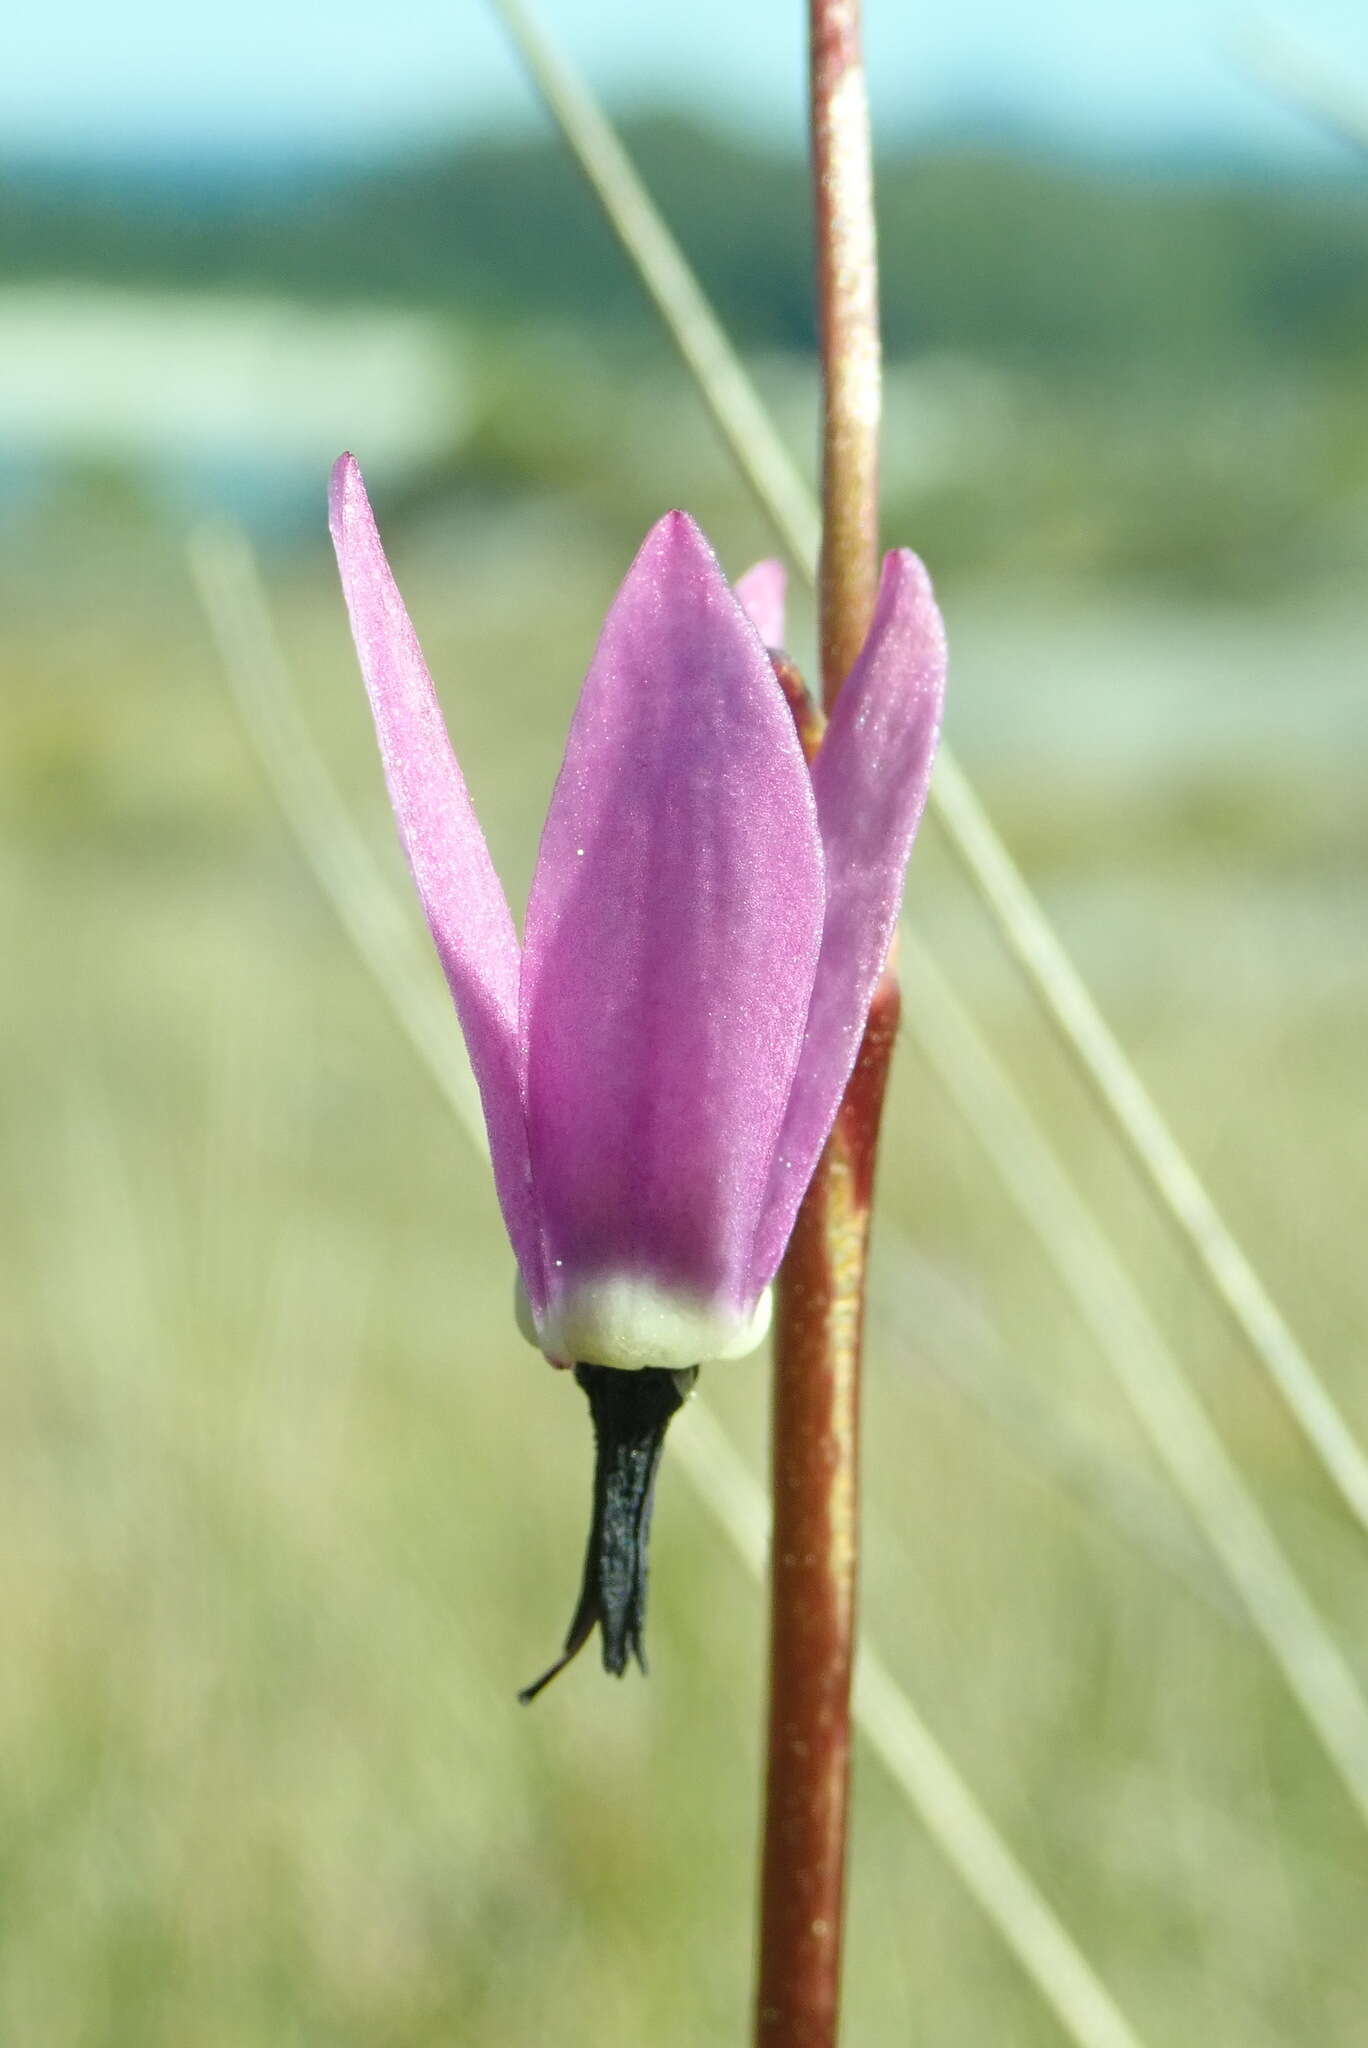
(870, 775)
(460, 892)
(762, 591)
(671, 942)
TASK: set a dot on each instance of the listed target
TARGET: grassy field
(288, 1512)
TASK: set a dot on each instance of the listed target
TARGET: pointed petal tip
(678, 555)
(677, 533)
(905, 569)
(906, 609)
(906, 578)
(346, 492)
(676, 560)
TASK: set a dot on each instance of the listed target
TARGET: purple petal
(761, 592)
(671, 942)
(460, 892)
(870, 775)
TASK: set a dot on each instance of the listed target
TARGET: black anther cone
(631, 1412)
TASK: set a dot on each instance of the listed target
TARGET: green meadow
(288, 1511)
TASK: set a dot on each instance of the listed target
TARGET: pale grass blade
(1026, 931)
(1185, 1441)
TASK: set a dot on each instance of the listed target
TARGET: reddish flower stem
(848, 327)
(813, 1569)
(820, 1308)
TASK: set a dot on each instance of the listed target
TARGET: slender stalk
(848, 325)
(813, 1564)
(820, 1311)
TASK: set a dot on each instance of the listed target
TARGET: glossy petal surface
(761, 592)
(870, 776)
(461, 895)
(672, 938)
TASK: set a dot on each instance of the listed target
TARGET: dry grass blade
(1284, 66)
(1177, 1426)
(929, 1320)
(239, 617)
(1019, 918)
(1119, 1089)
(760, 454)
(230, 590)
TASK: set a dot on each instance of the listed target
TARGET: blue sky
(347, 75)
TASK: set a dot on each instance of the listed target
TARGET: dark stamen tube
(631, 1412)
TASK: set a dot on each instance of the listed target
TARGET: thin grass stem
(749, 432)
(1183, 1438)
(928, 1321)
(746, 428)
(1301, 78)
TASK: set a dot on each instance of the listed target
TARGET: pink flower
(661, 1061)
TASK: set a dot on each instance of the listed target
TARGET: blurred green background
(287, 1511)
